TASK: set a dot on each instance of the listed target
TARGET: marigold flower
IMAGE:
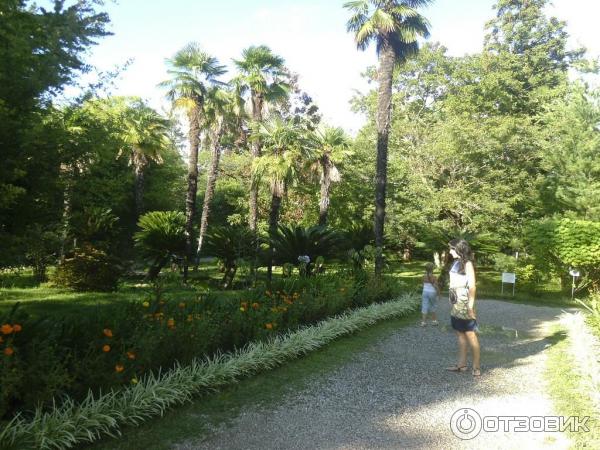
(1, 339)
(8, 351)
(182, 305)
(17, 327)
(131, 355)
(6, 328)
(269, 326)
(190, 318)
(171, 323)
(119, 368)
(245, 304)
(108, 332)
(106, 348)
(255, 305)
(146, 304)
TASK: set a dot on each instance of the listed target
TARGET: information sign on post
(510, 278)
(575, 274)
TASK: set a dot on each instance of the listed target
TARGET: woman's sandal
(476, 373)
(457, 369)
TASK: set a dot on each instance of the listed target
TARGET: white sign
(574, 273)
(508, 277)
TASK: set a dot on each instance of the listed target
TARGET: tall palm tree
(331, 148)
(146, 136)
(192, 72)
(223, 110)
(262, 74)
(284, 158)
(394, 26)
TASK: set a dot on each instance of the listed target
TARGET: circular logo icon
(465, 423)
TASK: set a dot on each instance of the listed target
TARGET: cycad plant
(161, 237)
(394, 26)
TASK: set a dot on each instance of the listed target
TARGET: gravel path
(397, 394)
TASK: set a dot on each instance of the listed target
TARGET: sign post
(575, 274)
(511, 278)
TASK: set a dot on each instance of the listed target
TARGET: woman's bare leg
(462, 349)
(471, 336)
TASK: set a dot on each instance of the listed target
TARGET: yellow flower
(106, 348)
(119, 368)
(269, 326)
(134, 381)
(6, 328)
(146, 304)
(242, 309)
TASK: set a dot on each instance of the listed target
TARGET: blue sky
(309, 34)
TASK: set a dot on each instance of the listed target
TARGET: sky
(309, 34)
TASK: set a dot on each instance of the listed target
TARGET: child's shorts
(429, 302)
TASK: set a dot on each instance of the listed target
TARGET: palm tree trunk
(139, 189)
(386, 70)
(273, 221)
(192, 180)
(257, 106)
(68, 171)
(325, 187)
(210, 184)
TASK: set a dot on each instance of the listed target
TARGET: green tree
(262, 74)
(331, 148)
(286, 152)
(394, 26)
(192, 72)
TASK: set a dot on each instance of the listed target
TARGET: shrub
(558, 245)
(161, 237)
(88, 269)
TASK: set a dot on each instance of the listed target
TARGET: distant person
(431, 292)
(462, 298)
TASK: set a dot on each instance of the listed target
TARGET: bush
(88, 269)
(558, 245)
(161, 238)
(115, 345)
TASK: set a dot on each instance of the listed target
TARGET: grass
(267, 389)
(569, 397)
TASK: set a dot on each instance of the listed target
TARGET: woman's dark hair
(463, 249)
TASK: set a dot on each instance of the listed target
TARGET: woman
(429, 295)
(462, 298)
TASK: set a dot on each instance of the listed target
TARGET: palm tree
(331, 145)
(262, 74)
(223, 110)
(192, 73)
(394, 26)
(146, 136)
(285, 152)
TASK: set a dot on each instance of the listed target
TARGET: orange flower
(131, 355)
(6, 329)
(189, 318)
(1, 339)
(171, 323)
(119, 368)
(108, 332)
(269, 326)
(8, 351)
(255, 305)
(17, 327)
(182, 305)
(106, 348)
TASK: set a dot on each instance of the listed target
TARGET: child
(430, 294)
